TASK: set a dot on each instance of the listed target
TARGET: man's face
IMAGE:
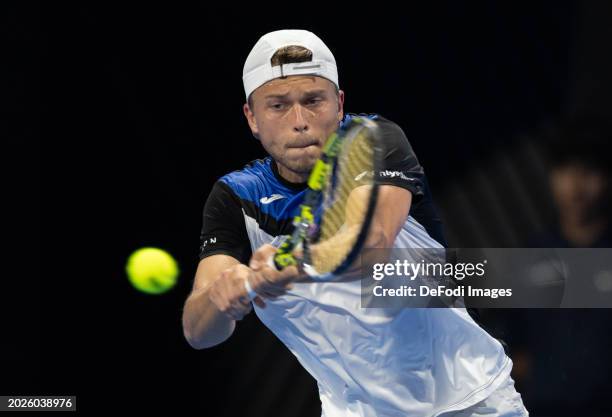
(293, 117)
(578, 189)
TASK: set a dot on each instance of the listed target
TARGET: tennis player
(367, 362)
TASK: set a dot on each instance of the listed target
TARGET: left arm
(392, 208)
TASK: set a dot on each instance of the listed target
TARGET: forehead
(294, 84)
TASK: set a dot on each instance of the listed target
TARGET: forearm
(204, 325)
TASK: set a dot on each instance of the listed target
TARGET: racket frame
(313, 196)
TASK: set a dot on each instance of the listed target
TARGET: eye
(277, 106)
(313, 101)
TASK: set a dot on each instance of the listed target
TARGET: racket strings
(346, 200)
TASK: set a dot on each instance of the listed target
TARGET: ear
(250, 116)
(340, 105)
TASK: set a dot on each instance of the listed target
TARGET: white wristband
(250, 293)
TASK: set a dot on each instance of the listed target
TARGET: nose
(300, 125)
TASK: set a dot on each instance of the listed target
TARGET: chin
(304, 162)
(303, 166)
(307, 166)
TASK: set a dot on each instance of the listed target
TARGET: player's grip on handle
(251, 293)
(281, 259)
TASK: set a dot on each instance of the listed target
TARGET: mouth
(303, 143)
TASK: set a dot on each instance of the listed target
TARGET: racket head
(342, 199)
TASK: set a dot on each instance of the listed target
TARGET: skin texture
(293, 117)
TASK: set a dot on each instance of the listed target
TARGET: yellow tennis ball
(152, 270)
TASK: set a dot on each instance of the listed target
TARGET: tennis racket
(335, 215)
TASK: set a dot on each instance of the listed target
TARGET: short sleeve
(400, 164)
(223, 228)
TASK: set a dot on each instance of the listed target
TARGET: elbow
(193, 341)
(378, 238)
(203, 339)
(199, 342)
(194, 338)
(196, 343)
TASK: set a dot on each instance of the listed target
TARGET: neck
(291, 176)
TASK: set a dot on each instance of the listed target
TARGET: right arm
(204, 325)
(219, 298)
(224, 246)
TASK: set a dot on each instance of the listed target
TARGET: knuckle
(231, 270)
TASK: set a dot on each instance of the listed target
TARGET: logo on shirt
(272, 198)
(393, 174)
(207, 241)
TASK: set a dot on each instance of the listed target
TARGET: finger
(288, 274)
(244, 310)
(227, 310)
(302, 276)
(237, 311)
(212, 296)
(229, 300)
(241, 311)
(240, 298)
(261, 255)
(223, 292)
(265, 287)
(219, 295)
(224, 274)
(217, 299)
(244, 297)
(280, 279)
(234, 315)
(259, 302)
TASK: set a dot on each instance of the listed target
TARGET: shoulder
(247, 182)
(392, 134)
(259, 193)
(382, 121)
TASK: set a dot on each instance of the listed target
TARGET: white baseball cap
(258, 69)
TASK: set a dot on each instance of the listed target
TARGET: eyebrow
(308, 93)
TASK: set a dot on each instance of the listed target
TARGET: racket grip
(283, 259)
(284, 256)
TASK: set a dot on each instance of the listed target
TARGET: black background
(131, 114)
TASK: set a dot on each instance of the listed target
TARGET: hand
(267, 281)
(229, 295)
